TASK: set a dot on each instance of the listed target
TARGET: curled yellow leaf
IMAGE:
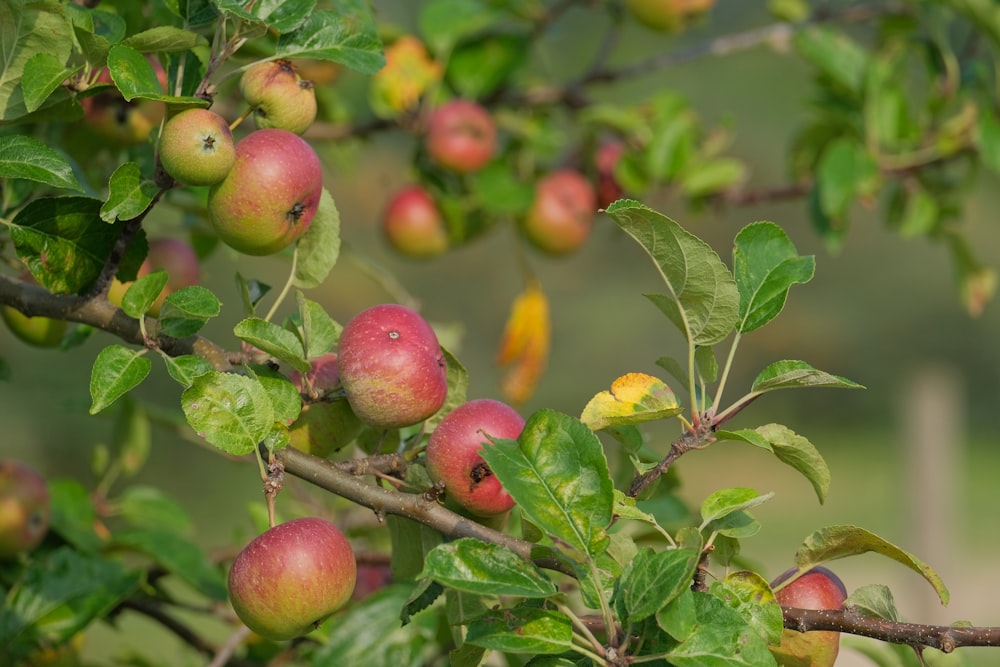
(634, 398)
(524, 346)
(409, 71)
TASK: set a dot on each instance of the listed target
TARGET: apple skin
(24, 508)
(562, 213)
(413, 225)
(326, 424)
(197, 147)
(666, 15)
(605, 160)
(453, 454)
(280, 97)
(271, 194)
(176, 257)
(391, 367)
(120, 122)
(461, 136)
(292, 577)
(819, 588)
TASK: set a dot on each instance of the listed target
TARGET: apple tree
(497, 536)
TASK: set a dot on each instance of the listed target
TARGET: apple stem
(242, 117)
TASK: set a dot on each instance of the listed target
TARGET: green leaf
(27, 29)
(185, 311)
(185, 368)
(749, 594)
(725, 502)
(988, 137)
(845, 172)
(478, 67)
(319, 332)
(711, 177)
(678, 618)
(522, 629)
(766, 265)
(411, 541)
(273, 339)
(789, 374)
(499, 191)
(444, 23)
(721, 638)
(117, 370)
(634, 398)
(131, 437)
(177, 555)
(873, 600)
(346, 35)
(703, 302)
(58, 596)
(128, 194)
(149, 507)
(163, 38)
(473, 566)
(835, 54)
(318, 249)
(63, 241)
(458, 389)
(232, 412)
(43, 74)
(27, 158)
(133, 74)
(791, 449)
(141, 294)
(836, 542)
(652, 580)
(74, 516)
(557, 474)
(285, 399)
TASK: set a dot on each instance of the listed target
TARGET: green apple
(197, 147)
(453, 454)
(391, 367)
(819, 588)
(24, 508)
(271, 194)
(279, 96)
(292, 577)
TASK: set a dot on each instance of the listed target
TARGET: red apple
(326, 423)
(562, 214)
(124, 123)
(819, 588)
(453, 454)
(461, 136)
(605, 161)
(292, 577)
(176, 257)
(24, 508)
(413, 225)
(392, 367)
(270, 196)
(279, 96)
(197, 148)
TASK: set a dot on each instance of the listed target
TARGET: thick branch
(327, 475)
(945, 638)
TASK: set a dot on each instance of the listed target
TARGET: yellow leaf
(634, 398)
(525, 344)
(409, 71)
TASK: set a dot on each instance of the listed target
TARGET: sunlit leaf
(318, 249)
(345, 34)
(117, 370)
(790, 448)
(634, 398)
(185, 311)
(789, 374)
(129, 194)
(653, 579)
(232, 412)
(749, 594)
(474, 566)
(141, 294)
(522, 629)
(26, 157)
(27, 29)
(874, 600)
(721, 638)
(274, 340)
(727, 501)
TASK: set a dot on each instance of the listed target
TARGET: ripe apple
(453, 454)
(413, 225)
(819, 588)
(176, 257)
(37, 331)
(120, 122)
(326, 423)
(270, 196)
(562, 213)
(24, 508)
(280, 97)
(666, 15)
(392, 367)
(292, 577)
(197, 148)
(605, 160)
(461, 136)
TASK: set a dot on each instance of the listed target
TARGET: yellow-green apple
(292, 577)
(120, 122)
(173, 255)
(197, 147)
(453, 454)
(667, 15)
(391, 366)
(562, 213)
(461, 136)
(819, 588)
(37, 331)
(279, 96)
(326, 423)
(270, 196)
(24, 508)
(413, 225)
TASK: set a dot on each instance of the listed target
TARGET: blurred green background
(884, 312)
